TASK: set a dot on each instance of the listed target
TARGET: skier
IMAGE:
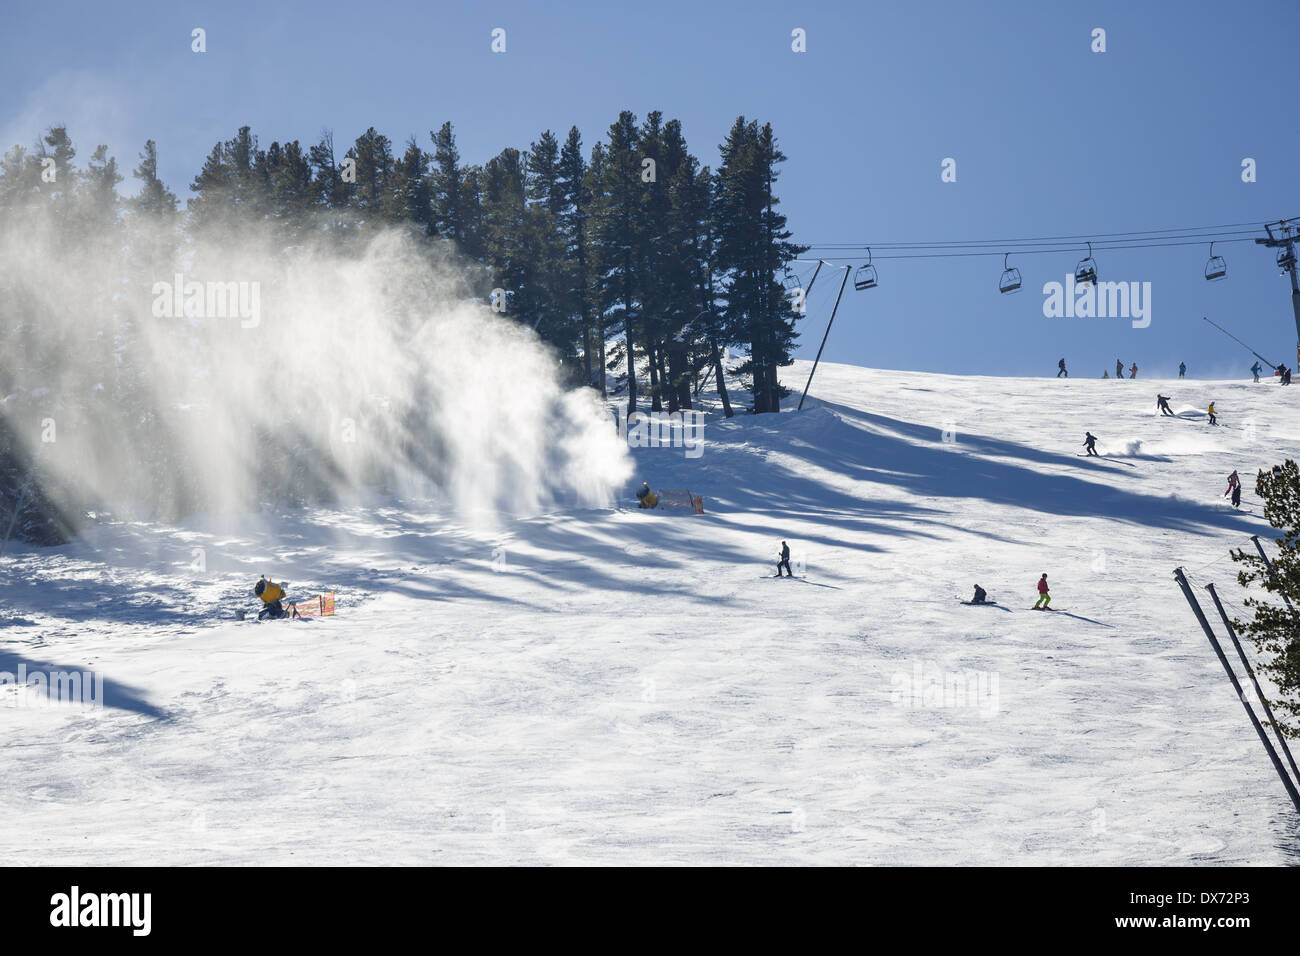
(1213, 420)
(1234, 489)
(980, 595)
(1286, 375)
(1105, 374)
(1061, 369)
(1044, 598)
(1133, 371)
(646, 497)
(1162, 405)
(1255, 370)
(1182, 369)
(784, 562)
(1090, 443)
(1119, 369)
(272, 595)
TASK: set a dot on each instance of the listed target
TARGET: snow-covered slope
(631, 687)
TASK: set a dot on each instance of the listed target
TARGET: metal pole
(1250, 671)
(820, 263)
(1223, 659)
(843, 283)
(1269, 564)
(1295, 298)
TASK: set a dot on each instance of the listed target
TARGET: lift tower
(1283, 235)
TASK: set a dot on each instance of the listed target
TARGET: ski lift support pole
(1240, 342)
(1285, 238)
(1250, 672)
(1223, 659)
(843, 283)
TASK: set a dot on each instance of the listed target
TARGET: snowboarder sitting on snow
(271, 594)
(1162, 403)
(980, 595)
(1213, 420)
(1043, 597)
(784, 562)
(1090, 443)
(646, 497)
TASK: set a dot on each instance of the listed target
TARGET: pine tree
(373, 153)
(571, 181)
(154, 198)
(447, 182)
(616, 239)
(411, 196)
(753, 248)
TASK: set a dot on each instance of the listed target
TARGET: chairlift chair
(1216, 268)
(1010, 281)
(865, 277)
(1085, 273)
(1285, 260)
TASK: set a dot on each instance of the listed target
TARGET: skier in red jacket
(1044, 598)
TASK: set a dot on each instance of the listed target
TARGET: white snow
(596, 687)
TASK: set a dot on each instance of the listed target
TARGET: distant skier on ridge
(1255, 370)
(1182, 370)
(1119, 369)
(1133, 370)
(1061, 369)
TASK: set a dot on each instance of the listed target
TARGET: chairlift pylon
(1216, 268)
(865, 277)
(1010, 281)
(1085, 273)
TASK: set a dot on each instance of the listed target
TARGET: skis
(1049, 609)
(981, 603)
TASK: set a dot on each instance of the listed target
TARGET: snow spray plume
(159, 378)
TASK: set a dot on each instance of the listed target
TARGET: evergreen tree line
(634, 242)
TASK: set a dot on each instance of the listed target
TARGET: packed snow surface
(620, 687)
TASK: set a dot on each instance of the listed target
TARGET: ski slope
(623, 687)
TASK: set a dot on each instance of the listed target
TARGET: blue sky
(1050, 139)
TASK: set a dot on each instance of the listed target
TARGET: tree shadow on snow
(109, 693)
